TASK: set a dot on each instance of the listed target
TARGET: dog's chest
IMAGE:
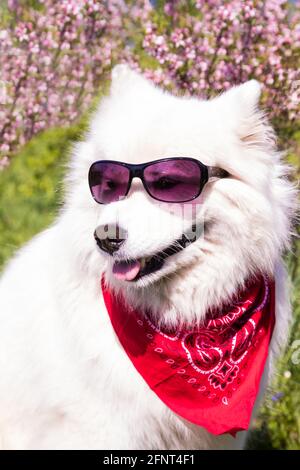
(118, 407)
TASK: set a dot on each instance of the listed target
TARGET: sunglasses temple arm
(215, 172)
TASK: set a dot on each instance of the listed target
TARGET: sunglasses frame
(137, 171)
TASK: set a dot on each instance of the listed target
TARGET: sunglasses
(177, 179)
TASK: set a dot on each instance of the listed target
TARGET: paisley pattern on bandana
(208, 375)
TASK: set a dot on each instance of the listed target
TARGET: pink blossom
(53, 60)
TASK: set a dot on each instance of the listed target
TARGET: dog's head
(237, 226)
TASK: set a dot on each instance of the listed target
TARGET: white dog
(66, 381)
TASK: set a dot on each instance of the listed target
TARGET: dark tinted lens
(108, 181)
(173, 180)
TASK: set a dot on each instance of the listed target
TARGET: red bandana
(209, 375)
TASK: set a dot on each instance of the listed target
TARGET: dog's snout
(110, 237)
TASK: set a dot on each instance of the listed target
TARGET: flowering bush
(205, 47)
(52, 59)
(54, 55)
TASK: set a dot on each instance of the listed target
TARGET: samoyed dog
(66, 380)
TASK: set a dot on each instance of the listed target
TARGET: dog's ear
(245, 96)
(247, 120)
(125, 79)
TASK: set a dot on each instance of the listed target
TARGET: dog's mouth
(134, 269)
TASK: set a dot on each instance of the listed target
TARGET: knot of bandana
(208, 375)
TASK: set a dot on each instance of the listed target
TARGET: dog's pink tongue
(126, 271)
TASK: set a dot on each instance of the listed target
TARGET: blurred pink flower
(53, 59)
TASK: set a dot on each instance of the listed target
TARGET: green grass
(30, 189)
(30, 193)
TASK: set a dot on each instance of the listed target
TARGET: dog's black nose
(110, 237)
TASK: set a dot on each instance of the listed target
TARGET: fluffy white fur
(65, 380)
